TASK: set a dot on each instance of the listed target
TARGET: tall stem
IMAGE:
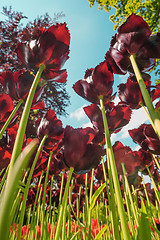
(111, 159)
(23, 122)
(63, 205)
(10, 117)
(153, 114)
(27, 188)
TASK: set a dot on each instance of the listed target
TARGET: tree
(148, 9)
(12, 31)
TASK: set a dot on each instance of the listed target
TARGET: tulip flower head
(97, 82)
(50, 48)
(134, 37)
(79, 151)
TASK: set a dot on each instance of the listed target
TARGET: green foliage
(148, 9)
(96, 194)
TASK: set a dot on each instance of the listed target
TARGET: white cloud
(116, 100)
(88, 124)
(138, 117)
(78, 114)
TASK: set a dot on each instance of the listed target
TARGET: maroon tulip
(145, 157)
(51, 126)
(17, 84)
(56, 165)
(99, 173)
(125, 155)
(130, 93)
(97, 82)
(6, 106)
(157, 107)
(5, 156)
(11, 135)
(79, 151)
(146, 137)
(156, 92)
(134, 37)
(51, 48)
(117, 116)
(150, 193)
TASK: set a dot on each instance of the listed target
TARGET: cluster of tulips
(50, 148)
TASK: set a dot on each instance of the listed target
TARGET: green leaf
(144, 228)
(99, 235)
(9, 192)
(96, 194)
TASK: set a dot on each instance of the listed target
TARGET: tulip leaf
(9, 192)
(96, 194)
(144, 228)
(99, 235)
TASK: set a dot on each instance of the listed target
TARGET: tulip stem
(23, 123)
(149, 118)
(63, 205)
(10, 117)
(27, 188)
(114, 174)
(153, 114)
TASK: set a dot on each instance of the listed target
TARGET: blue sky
(91, 32)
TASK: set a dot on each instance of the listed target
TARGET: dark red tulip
(117, 116)
(97, 82)
(130, 93)
(79, 151)
(145, 157)
(18, 84)
(51, 48)
(157, 107)
(57, 164)
(99, 173)
(11, 135)
(124, 154)
(5, 157)
(112, 64)
(150, 193)
(6, 106)
(134, 37)
(146, 137)
(51, 126)
(39, 105)
(156, 92)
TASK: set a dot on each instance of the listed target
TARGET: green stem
(63, 206)
(128, 191)
(111, 159)
(44, 194)
(149, 118)
(91, 186)
(23, 123)
(156, 161)
(154, 115)
(9, 194)
(10, 117)
(25, 115)
(111, 199)
(27, 188)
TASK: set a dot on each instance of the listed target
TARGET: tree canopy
(12, 31)
(148, 9)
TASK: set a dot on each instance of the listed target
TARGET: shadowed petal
(51, 48)
(6, 106)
